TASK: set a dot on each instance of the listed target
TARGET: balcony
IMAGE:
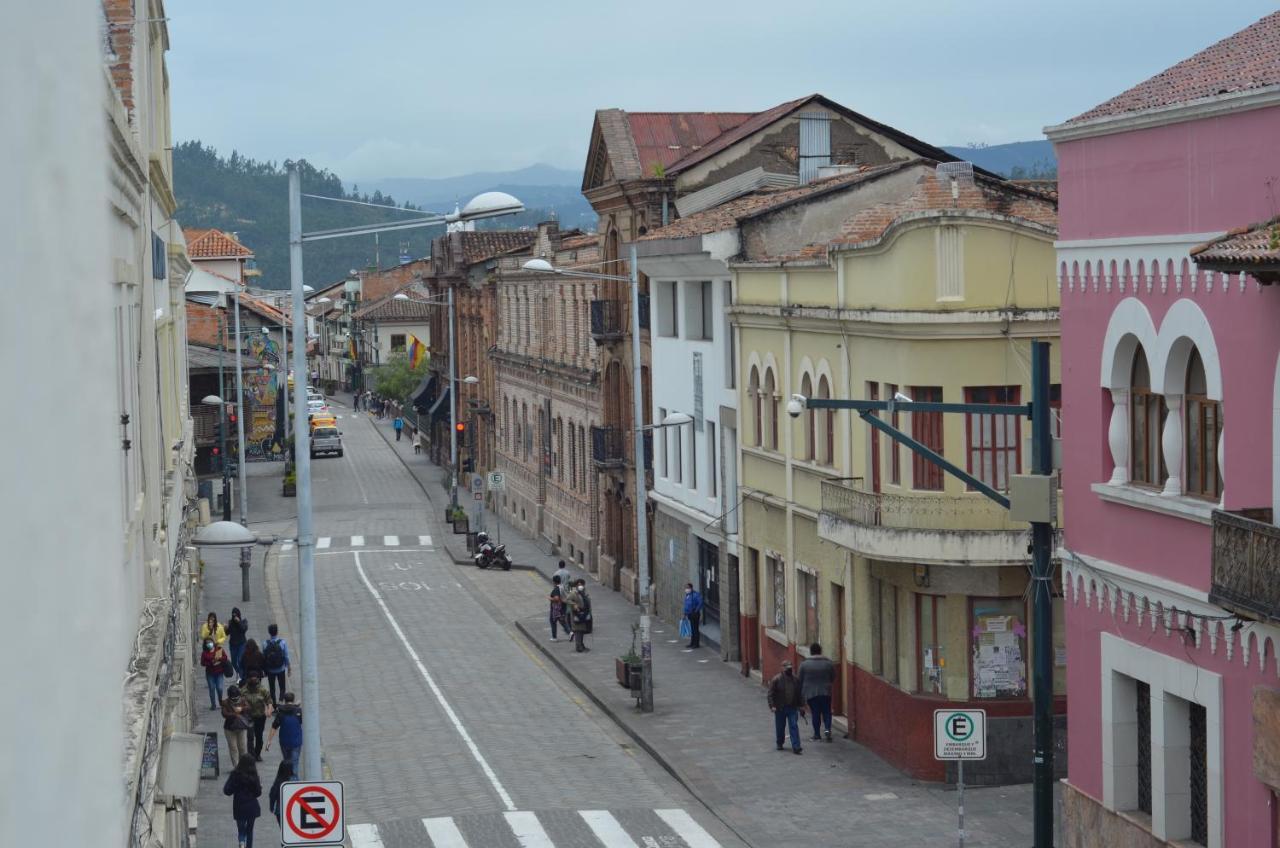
(1246, 563)
(920, 527)
(609, 318)
(610, 448)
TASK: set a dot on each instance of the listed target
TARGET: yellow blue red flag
(417, 351)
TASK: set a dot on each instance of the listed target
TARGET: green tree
(394, 379)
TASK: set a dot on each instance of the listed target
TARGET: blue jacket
(399, 423)
(288, 721)
(692, 602)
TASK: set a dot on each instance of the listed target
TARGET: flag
(417, 351)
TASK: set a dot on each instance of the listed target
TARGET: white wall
(386, 331)
(60, 514)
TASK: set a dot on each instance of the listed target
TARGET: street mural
(261, 360)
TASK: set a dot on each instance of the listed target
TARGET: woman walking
(216, 664)
(252, 662)
(236, 629)
(283, 775)
(211, 629)
(580, 614)
(245, 789)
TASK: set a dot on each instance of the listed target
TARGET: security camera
(901, 398)
(796, 405)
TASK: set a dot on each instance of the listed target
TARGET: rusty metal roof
(666, 137)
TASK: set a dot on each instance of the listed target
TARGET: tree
(394, 379)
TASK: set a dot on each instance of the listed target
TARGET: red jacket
(213, 661)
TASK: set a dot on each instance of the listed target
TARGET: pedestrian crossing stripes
(324, 543)
(669, 828)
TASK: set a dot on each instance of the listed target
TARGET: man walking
(259, 700)
(556, 613)
(784, 700)
(288, 722)
(275, 656)
(817, 673)
(693, 614)
(398, 424)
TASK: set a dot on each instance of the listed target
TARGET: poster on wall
(999, 664)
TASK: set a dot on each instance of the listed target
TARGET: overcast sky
(397, 88)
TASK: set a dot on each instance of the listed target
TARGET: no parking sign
(312, 813)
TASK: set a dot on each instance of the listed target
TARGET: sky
(420, 88)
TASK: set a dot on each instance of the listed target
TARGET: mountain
(1018, 159)
(541, 186)
(250, 198)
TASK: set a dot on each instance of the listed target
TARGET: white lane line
(425, 541)
(528, 830)
(357, 541)
(687, 829)
(323, 542)
(390, 541)
(607, 829)
(444, 833)
(435, 690)
(364, 836)
(364, 496)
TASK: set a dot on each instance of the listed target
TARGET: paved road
(445, 727)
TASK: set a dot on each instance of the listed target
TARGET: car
(315, 406)
(326, 440)
(323, 420)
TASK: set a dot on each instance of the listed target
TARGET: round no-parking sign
(312, 813)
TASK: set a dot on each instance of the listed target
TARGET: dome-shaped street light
(490, 204)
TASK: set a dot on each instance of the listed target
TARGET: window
(995, 444)
(713, 481)
(999, 633)
(693, 457)
(557, 459)
(573, 457)
(809, 592)
(1142, 708)
(884, 629)
(1147, 411)
(662, 445)
(677, 454)
(668, 305)
(757, 414)
(771, 407)
(806, 389)
(708, 310)
(778, 582)
(397, 341)
(826, 426)
(929, 629)
(895, 455)
(926, 428)
(1203, 428)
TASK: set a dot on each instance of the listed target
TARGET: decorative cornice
(902, 323)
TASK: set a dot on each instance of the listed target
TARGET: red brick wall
(749, 641)
(202, 324)
(119, 15)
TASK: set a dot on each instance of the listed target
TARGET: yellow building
(907, 279)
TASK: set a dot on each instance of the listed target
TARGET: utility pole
(453, 409)
(1042, 616)
(642, 517)
(222, 422)
(240, 458)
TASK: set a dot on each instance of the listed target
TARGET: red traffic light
(216, 451)
(460, 427)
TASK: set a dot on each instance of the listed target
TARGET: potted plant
(458, 518)
(291, 484)
(628, 666)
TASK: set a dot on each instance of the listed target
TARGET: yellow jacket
(219, 636)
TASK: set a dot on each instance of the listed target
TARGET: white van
(326, 440)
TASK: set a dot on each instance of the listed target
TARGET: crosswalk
(632, 828)
(324, 543)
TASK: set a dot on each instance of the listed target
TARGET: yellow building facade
(930, 286)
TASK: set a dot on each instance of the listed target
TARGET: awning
(440, 408)
(421, 396)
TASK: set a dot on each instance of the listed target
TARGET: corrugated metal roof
(666, 137)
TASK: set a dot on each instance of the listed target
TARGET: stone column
(1118, 436)
(1171, 444)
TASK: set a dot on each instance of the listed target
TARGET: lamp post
(241, 471)
(642, 518)
(228, 534)
(215, 400)
(487, 205)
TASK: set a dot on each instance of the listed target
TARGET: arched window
(826, 427)
(1203, 428)
(757, 421)
(771, 408)
(1146, 423)
(810, 425)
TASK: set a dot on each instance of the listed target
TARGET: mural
(263, 433)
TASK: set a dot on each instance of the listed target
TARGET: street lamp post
(241, 471)
(487, 205)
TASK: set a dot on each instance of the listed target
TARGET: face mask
(688, 591)
(208, 646)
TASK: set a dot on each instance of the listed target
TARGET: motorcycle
(493, 556)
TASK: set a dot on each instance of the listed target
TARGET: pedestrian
(817, 673)
(245, 789)
(557, 606)
(252, 662)
(288, 722)
(236, 722)
(398, 424)
(211, 629)
(275, 656)
(693, 614)
(259, 700)
(579, 614)
(355, 401)
(236, 629)
(215, 663)
(284, 774)
(566, 586)
(785, 701)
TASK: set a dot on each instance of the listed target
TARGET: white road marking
(444, 833)
(364, 836)
(364, 495)
(357, 541)
(390, 541)
(607, 829)
(880, 796)
(687, 829)
(528, 830)
(425, 541)
(435, 690)
(287, 546)
(323, 542)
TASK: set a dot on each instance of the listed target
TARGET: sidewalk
(712, 730)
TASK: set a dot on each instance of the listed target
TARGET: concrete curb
(618, 718)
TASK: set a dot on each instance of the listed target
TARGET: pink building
(1171, 560)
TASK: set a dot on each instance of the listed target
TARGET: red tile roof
(479, 245)
(753, 123)
(417, 307)
(1252, 249)
(665, 137)
(214, 244)
(1247, 60)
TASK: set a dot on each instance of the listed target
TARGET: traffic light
(468, 466)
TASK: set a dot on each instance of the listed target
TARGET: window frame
(401, 345)
(925, 476)
(1198, 409)
(1150, 401)
(1000, 454)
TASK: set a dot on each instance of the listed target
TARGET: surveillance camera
(901, 398)
(796, 405)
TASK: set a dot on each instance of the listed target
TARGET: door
(709, 587)
(837, 652)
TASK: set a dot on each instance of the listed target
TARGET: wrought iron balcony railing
(915, 510)
(610, 319)
(610, 448)
(1246, 563)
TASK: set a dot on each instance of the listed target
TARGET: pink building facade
(1171, 439)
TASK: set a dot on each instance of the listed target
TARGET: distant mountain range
(1017, 160)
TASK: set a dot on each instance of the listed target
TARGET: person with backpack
(275, 656)
(236, 722)
(245, 789)
(288, 722)
(398, 424)
(236, 629)
(579, 614)
(259, 700)
(216, 667)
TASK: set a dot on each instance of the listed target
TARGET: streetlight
(642, 519)
(487, 205)
(228, 534)
(214, 400)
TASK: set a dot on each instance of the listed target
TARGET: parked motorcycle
(489, 555)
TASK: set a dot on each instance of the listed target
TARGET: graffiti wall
(261, 361)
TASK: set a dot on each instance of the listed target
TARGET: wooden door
(838, 654)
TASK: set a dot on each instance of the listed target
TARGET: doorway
(709, 587)
(837, 651)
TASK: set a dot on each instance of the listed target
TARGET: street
(443, 725)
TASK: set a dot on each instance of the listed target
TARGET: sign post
(313, 813)
(497, 481)
(960, 735)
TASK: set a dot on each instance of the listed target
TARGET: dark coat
(236, 631)
(579, 611)
(784, 691)
(244, 792)
(816, 676)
